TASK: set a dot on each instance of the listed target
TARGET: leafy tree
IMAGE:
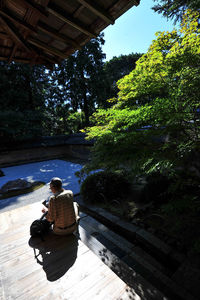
(115, 69)
(175, 9)
(56, 101)
(76, 121)
(22, 100)
(36, 101)
(82, 77)
(164, 132)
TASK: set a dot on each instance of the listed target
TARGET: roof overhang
(46, 32)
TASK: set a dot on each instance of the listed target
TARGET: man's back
(61, 209)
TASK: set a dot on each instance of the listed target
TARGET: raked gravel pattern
(39, 171)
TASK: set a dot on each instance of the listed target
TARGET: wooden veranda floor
(65, 268)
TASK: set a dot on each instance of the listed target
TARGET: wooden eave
(48, 31)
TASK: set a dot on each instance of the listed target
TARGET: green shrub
(156, 188)
(104, 187)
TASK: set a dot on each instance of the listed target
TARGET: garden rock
(17, 184)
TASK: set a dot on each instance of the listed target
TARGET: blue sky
(134, 30)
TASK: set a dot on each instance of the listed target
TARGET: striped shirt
(61, 209)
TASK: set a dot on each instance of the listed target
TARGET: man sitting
(62, 210)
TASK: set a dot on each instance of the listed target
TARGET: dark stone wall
(45, 148)
(46, 141)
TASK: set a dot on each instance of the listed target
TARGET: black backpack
(40, 227)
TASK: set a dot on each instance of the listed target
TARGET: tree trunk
(85, 100)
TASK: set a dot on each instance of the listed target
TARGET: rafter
(3, 58)
(2, 3)
(12, 53)
(70, 20)
(97, 10)
(77, 12)
(17, 59)
(47, 48)
(126, 6)
(34, 6)
(58, 36)
(23, 24)
(48, 31)
(4, 36)
(14, 34)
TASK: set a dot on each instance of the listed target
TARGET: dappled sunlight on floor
(56, 268)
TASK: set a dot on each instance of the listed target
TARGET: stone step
(133, 279)
(149, 278)
(156, 248)
(99, 230)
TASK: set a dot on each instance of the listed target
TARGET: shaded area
(56, 254)
(112, 257)
(144, 274)
(47, 141)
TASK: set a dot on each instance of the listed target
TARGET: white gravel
(39, 171)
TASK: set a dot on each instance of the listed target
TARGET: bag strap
(42, 217)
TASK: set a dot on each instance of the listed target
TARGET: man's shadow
(56, 254)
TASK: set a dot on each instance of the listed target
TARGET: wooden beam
(12, 54)
(23, 24)
(125, 6)
(78, 11)
(58, 36)
(97, 10)
(2, 3)
(17, 59)
(3, 58)
(4, 36)
(33, 6)
(47, 48)
(14, 34)
(54, 10)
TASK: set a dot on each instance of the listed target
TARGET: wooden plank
(34, 6)
(54, 10)
(56, 35)
(14, 34)
(47, 48)
(69, 271)
(97, 10)
(4, 36)
(12, 53)
(16, 20)
(17, 59)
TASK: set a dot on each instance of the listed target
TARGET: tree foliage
(82, 77)
(36, 101)
(155, 123)
(22, 100)
(115, 69)
(175, 9)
